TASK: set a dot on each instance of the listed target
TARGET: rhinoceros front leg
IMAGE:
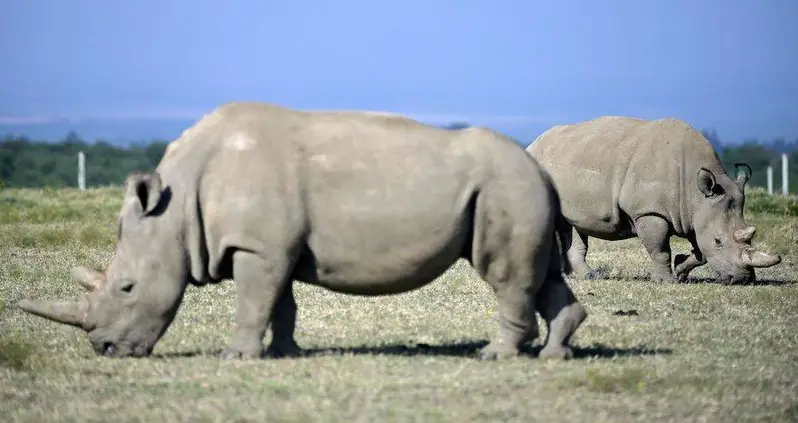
(654, 232)
(260, 284)
(683, 264)
(283, 324)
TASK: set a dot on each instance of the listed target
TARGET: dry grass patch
(647, 352)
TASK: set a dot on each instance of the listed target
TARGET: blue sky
(731, 65)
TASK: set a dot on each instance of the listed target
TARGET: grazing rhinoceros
(621, 177)
(354, 202)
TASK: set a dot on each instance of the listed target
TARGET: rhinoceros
(621, 177)
(355, 202)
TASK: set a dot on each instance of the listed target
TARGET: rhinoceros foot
(497, 351)
(679, 259)
(580, 269)
(556, 352)
(664, 277)
(237, 353)
(590, 275)
(587, 275)
(288, 348)
(683, 264)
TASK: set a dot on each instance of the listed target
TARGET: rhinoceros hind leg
(259, 285)
(590, 275)
(655, 235)
(283, 325)
(563, 315)
(576, 252)
(515, 299)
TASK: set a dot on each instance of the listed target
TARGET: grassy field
(647, 352)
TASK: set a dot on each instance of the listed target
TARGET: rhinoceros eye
(717, 242)
(127, 287)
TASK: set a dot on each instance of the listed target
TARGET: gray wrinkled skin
(359, 203)
(622, 177)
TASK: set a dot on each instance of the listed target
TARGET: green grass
(695, 351)
(16, 353)
(758, 201)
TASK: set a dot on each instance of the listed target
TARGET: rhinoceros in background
(621, 177)
(354, 202)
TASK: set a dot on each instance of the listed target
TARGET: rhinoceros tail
(558, 264)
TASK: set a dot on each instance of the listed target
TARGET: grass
(695, 351)
(758, 201)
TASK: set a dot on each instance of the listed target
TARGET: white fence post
(770, 180)
(81, 171)
(785, 189)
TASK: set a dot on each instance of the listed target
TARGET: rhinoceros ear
(143, 189)
(743, 174)
(706, 183)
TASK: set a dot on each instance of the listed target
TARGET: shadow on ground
(604, 273)
(459, 349)
(770, 282)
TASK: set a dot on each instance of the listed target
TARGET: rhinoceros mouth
(735, 279)
(142, 351)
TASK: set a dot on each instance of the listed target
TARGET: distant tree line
(35, 164)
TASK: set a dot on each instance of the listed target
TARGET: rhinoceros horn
(70, 313)
(745, 234)
(88, 278)
(755, 258)
(743, 174)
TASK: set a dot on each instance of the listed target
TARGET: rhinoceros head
(721, 233)
(129, 306)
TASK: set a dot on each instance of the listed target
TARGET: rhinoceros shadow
(458, 349)
(471, 348)
(605, 273)
(771, 282)
(698, 280)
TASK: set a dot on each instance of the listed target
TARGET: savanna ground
(697, 351)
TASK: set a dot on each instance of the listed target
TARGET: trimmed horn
(71, 313)
(744, 235)
(759, 259)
